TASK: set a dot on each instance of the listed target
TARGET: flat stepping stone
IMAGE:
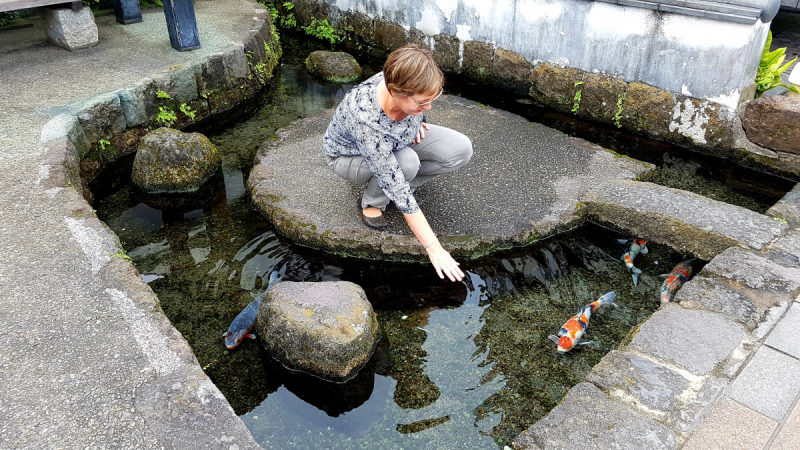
(680, 219)
(522, 184)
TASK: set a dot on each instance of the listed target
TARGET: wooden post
(127, 11)
(181, 24)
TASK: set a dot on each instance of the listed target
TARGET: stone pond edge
(210, 87)
(70, 136)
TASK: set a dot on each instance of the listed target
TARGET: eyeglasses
(427, 103)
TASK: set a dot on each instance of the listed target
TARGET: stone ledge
(683, 220)
(529, 174)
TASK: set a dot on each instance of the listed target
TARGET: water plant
(770, 68)
(576, 101)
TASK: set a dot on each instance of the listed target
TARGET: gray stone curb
(180, 405)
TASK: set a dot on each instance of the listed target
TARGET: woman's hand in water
(444, 263)
(421, 134)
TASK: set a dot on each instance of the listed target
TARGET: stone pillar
(70, 29)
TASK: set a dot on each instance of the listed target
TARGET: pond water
(459, 365)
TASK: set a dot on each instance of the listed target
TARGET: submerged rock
(337, 67)
(327, 329)
(169, 161)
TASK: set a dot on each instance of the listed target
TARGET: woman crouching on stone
(378, 136)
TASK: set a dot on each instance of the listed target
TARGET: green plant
(102, 143)
(186, 109)
(288, 21)
(770, 68)
(321, 29)
(165, 117)
(8, 17)
(618, 115)
(164, 95)
(576, 101)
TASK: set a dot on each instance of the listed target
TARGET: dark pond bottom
(459, 365)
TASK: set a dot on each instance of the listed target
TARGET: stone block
(769, 383)
(554, 86)
(773, 122)
(179, 82)
(716, 295)
(419, 38)
(732, 426)
(680, 219)
(102, 117)
(786, 335)
(254, 48)
(477, 61)
(137, 101)
(692, 339)
(388, 35)
(654, 387)
(789, 435)
(362, 25)
(695, 404)
(67, 127)
(599, 96)
(646, 109)
(702, 124)
(751, 270)
(235, 62)
(211, 75)
(785, 245)
(587, 412)
(446, 53)
(788, 208)
(511, 71)
(72, 30)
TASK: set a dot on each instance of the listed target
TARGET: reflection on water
(459, 365)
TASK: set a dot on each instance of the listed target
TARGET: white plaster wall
(702, 58)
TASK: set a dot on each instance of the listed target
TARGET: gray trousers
(441, 151)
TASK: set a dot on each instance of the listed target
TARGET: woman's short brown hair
(411, 70)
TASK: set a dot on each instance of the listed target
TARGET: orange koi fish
(632, 248)
(675, 279)
(570, 334)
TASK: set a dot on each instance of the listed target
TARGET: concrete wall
(694, 56)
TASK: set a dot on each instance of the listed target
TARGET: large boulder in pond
(170, 161)
(337, 67)
(327, 329)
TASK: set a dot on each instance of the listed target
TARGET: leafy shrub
(7, 17)
(770, 68)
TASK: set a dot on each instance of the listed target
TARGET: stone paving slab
(522, 184)
(754, 271)
(680, 219)
(588, 417)
(717, 295)
(694, 340)
(786, 335)
(765, 384)
(788, 437)
(788, 208)
(731, 426)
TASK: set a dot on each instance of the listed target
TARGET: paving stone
(589, 416)
(788, 208)
(655, 387)
(754, 271)
(785, 245)
(768, 384)
(696, 404)
(692, 339)
(718, 296)
(786, 335)
(680, 219)
(789, 435)
(732, 426)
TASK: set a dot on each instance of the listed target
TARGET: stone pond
(457, 364)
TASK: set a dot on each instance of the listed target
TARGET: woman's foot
(373, 218)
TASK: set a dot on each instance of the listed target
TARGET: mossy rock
(336, 67)
(170, 161)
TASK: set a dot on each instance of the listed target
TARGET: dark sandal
(376, 223)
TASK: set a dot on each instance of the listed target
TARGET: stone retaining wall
(74, 152)
(706, 119)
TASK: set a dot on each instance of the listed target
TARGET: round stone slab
(327, 329)
(521, 185)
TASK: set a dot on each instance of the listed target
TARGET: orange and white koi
(675, 279)
(571, 333)
(632, 248)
